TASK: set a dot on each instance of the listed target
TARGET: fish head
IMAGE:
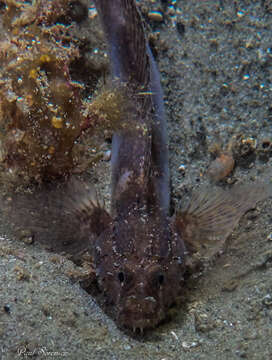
(139, 267)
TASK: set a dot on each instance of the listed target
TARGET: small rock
(26, 236)
(6, 308)
(221, 167)
(180, 28)
(182, 168)
(155, 16)
(107, 155)
(265, 260)
(269, 237)
(230, 285)
(203, 323)
(188, 345)
(267, 300)
(21, 273)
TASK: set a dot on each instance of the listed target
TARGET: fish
(139, 248)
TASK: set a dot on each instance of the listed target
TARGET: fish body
(140, 257)
(139, 250)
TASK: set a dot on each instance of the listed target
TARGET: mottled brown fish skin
(139, 256)
(139, 250)
(138, 268)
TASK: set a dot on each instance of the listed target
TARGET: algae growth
(46, 104)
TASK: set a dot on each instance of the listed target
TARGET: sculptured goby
(139, 250)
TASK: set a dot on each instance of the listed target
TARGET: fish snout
(140, 311)
(140, 306)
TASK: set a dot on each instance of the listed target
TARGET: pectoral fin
(83, 203)
(210, 217)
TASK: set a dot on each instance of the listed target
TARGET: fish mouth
(140, 313)
(138, 322)
(139, 325)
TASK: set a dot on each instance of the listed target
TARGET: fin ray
(212, 215)
(84, 203)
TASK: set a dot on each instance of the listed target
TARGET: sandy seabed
(215, 60)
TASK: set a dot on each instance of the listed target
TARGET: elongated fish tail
(127, 43)
(132, 62)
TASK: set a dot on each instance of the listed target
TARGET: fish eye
(160, 279)
(157, 279)
(125, 277)
(121, 277)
